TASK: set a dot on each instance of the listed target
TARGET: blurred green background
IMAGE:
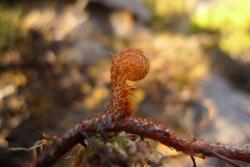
(55, 58)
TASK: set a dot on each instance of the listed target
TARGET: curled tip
(129, 64)
(132, 63)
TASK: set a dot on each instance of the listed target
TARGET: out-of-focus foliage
(167, 13)
(9, 25)
(231, 19)
(166, 8)
(223, 15)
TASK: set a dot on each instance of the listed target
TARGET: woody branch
(116, 122)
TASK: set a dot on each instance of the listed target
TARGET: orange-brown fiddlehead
(130, 64)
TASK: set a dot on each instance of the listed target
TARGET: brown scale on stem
(130, 64)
